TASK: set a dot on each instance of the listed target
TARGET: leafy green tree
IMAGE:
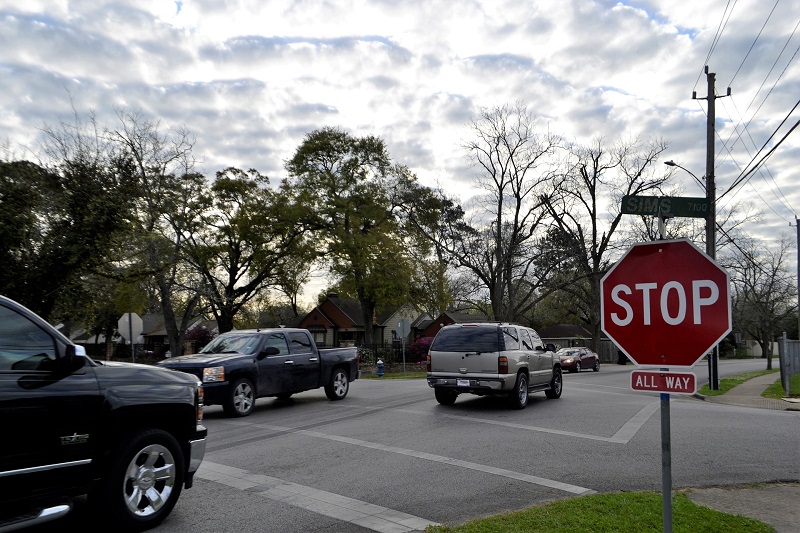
(352, 194)
(59, 222)
(244, 236)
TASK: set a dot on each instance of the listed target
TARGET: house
(338, 322)
(566, 335)
(154, 333)
(432, 327)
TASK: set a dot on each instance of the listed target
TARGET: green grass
(633, 512)
(726, 384)
(776, 389)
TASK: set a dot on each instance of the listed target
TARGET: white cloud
(250, 78)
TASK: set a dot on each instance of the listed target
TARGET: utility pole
(797, 227)
(711, 194)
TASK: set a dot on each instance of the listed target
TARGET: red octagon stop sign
(665, 303)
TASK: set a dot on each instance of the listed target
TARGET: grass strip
(776, 389)
(726, 384)
(634, 512)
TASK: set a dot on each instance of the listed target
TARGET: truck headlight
(199, 402)
(216, 373)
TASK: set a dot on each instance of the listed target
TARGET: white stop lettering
(699, 298)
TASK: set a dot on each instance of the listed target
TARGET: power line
(720, 29)
(781, 198)
(754, 42)
(746, 175)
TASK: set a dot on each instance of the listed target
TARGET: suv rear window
(466, 339)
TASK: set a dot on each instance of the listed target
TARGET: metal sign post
(666, 465)
(404, 328)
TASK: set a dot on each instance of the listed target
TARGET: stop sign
(665, 303)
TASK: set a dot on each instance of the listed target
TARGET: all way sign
(671, 382)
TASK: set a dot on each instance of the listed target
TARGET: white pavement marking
(623, 436)
(356, 512)
(383, 519)
(566, 487)
(632, 426)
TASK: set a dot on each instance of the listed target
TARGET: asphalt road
(390, 458)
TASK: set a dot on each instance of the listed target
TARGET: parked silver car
(492, 359)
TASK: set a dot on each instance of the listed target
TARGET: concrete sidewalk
(775, 504)
(748, 394)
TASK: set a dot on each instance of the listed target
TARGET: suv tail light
(428, 362)
(502, 365)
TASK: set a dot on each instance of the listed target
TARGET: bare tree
(496, 243)
(163, 166)
(586, 211)
(763, 290)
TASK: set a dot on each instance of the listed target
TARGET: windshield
(245, 344)
(564, 353)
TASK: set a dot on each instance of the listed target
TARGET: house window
(319, 338)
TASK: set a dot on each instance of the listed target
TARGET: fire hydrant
(380, 368)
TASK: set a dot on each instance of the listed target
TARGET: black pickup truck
(129, 436)
(239, 366)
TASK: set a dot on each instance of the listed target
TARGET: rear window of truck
(466, 339)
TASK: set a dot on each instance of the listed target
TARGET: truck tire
(556, 384)
(143, 482)
(445, 396)
(518, 398)
(338, 385)
(241, 398)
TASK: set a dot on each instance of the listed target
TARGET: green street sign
(665, 206)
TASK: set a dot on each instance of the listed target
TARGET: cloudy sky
(249, 78)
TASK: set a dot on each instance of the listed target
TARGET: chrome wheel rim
(149, 480)
(340, 384)
(243, 398)
(523, 391)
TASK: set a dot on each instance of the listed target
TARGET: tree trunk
(367, 315)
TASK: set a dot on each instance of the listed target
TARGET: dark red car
(576, 359)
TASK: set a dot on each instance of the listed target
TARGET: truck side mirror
(269, 350)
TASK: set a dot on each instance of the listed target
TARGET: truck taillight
(428, 362)
(502, 365)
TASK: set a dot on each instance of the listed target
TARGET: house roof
(153, 325)
(565, 331)
(460, 317)
(342, 313)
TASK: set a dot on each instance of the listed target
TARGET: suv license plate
(462, 382)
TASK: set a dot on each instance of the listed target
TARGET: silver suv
(492, 358)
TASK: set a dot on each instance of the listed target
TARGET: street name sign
(665, 206)
(671, 382)
(665, 303)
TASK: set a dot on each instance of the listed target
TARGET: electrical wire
(746, 175)
(720, 29)
(754, 42)
(781, 198)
